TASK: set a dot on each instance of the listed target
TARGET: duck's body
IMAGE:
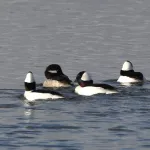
(86, 86)
(95, 89)
(39, 95)
(55, 77)
(51, 83)
(31, 94)
(128, 75)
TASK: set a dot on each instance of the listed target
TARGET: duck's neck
(30, 86)
(123, 73)
(86, 83)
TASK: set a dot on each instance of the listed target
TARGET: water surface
(96, 36)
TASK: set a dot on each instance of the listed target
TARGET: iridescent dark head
(53, 70)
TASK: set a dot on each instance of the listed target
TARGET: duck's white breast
(54, 83)
(89, 90)
(126, 79)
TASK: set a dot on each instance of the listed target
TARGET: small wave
(146, 146)
(120, 129)
(9, 105)
(53, 127)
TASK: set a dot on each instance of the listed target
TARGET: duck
(55, 78)
(86, 87)
(31, 94)
(128, 75)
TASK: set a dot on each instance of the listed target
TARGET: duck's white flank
(89, 90)
(33, 96)
(127, 79)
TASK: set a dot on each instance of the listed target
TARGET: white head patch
(52, 71)
(86, 77)
(29, 78)
(127, 66)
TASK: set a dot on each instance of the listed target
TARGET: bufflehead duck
(128, 75)
(55, 77)
(32, 94)
(86, 86)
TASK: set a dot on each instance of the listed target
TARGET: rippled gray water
(92, 35)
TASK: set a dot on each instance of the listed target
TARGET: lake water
(92, 35)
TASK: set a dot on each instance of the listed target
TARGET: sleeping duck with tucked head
(55, 77)
(31, 94)
(86, 86)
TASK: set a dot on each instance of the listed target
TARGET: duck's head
(83, 78)
(127, 66)
(29, 82)
(53, 70)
